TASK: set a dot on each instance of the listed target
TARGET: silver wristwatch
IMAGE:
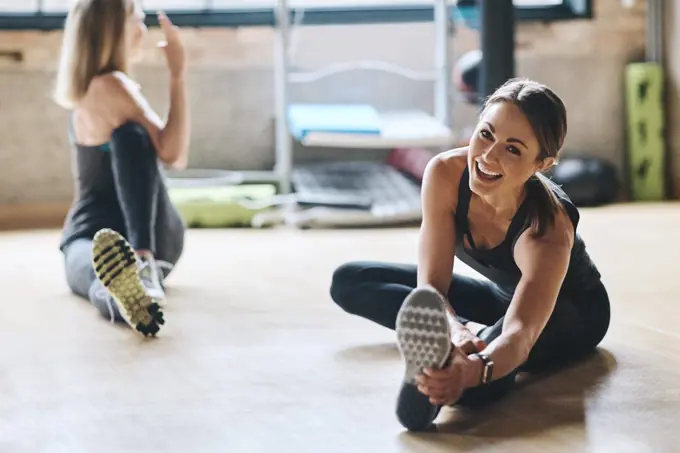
(487, 370)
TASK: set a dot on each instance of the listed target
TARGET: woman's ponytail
(543, 204)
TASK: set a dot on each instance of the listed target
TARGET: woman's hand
(463, 339)
(446, 386)
(173, 47)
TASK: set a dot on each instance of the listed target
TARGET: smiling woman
(542, 303)
(522, 129)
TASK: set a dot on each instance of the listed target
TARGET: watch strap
(487, 370)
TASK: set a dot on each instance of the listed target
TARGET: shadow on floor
(381, 352)
(539, 404)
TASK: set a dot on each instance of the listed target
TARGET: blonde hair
(93, 44)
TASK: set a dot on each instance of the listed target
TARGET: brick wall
(232, 101)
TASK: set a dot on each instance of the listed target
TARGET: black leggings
(151, 222)
(375, 291)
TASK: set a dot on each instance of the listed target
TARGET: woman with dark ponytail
(542, 303)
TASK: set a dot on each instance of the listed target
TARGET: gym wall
(232, 98)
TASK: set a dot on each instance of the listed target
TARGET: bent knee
(601, 326)
(132, 139)
(345, 283)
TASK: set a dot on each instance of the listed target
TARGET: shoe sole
(424, 340)
(115, 265)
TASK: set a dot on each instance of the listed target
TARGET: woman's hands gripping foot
(464, 337)
(424, 339)
(434, 348)
(445, 386)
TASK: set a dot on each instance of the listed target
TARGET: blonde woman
(121, 226)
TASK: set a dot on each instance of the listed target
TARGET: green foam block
(220, 207)
(646, 142)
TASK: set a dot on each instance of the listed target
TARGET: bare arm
(174, 138)
(125, 102)
(437, 236)
(171, 139)
(543, 263)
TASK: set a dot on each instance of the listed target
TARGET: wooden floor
(255, 357)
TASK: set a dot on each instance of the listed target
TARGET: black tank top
(95, 205)
(498, 263)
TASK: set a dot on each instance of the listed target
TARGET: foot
(424, 339)
(116, 267)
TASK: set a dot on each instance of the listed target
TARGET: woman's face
(503, 151)
(136, 29)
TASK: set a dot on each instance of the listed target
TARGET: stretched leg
(495, 390)
(376, 291)
(118, 270)
(574, 329)
(115, 269)
(83, 282)
(384, 293)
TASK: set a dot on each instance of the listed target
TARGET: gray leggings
(83, 282)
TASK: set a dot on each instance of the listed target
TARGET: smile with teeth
(485, 172)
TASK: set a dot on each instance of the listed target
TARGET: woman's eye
(486, 134)
(513, 150)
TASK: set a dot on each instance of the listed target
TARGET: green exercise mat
(221, 206)
(646, 141)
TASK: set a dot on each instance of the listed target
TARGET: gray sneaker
(151, 278)
(424, 339)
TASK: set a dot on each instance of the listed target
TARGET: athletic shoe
(116, 266)
(151, 278)
(424, 339)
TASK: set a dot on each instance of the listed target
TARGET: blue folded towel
(338, 118)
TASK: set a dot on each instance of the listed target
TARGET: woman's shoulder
(114, 79)
(448, 167)
(111, 100)
(114, 96)
(112, 85)
(443, 175)
(455, 159)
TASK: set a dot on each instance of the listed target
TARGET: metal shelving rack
(402, 128)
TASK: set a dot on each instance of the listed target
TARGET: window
(49, 14)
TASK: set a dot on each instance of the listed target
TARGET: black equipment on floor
(588, 181)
